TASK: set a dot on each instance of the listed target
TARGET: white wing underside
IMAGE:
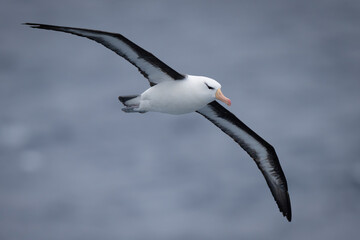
(261, 151)
(150, 66)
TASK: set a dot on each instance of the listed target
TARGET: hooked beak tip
(220, 96)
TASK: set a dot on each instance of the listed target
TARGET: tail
(131, 103)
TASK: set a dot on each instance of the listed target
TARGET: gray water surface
(74, 166)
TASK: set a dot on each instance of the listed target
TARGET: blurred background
(74, 166)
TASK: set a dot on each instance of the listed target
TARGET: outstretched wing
(260, 150)
(150, 66)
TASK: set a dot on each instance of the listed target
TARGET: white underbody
(177, 97)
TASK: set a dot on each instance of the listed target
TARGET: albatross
(175, 93)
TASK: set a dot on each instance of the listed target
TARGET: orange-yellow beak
(220, 96)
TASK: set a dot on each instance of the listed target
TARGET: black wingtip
(282, 198)
(41, 26)
(289, 214)
(285, 205)
(287, 211)
(37, 25)
(33, 25)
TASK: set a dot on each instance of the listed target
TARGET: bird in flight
(175, 93)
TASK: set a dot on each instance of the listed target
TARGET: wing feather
(149, 66)
(261, 151)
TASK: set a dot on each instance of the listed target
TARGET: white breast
(176, 97)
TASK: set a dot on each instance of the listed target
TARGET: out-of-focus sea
(74, 166)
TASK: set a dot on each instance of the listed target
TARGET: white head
(214, 88)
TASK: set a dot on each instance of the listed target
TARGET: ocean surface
(74, 166)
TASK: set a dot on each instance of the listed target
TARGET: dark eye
(211, 88)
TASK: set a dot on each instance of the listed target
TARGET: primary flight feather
(175, 93)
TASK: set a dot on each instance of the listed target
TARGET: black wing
(150, 66)
(260, 150)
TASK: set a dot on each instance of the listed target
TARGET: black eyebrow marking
(211, 88)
